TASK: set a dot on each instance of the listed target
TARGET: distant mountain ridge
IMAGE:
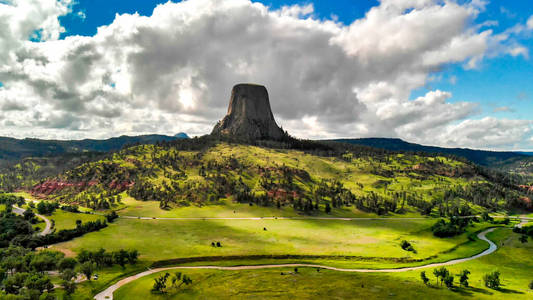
(11, 148)
(481, 157)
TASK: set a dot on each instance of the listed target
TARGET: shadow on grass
(463, 291)
(481, 291)
(469, 291)
(509, 291)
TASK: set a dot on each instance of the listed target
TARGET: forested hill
(12, 149)
(482, 157)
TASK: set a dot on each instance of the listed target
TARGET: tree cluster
(102, 258)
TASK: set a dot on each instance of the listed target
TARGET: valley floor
(343, 243)
(309, 282)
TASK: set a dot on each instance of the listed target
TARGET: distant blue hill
(482, 157)
(182, 135)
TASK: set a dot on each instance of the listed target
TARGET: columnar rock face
(249, 115)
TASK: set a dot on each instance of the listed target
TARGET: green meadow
(513, 260)
(282, 233)
(67, 220)
(373, 240)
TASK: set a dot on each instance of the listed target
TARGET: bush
(492, 280)
(111, 217)
(444, 229)
(448, 281)
(67, 263)
(424, 278)
(47, 208)
(70, 208)
(527, 230)
(407, 246)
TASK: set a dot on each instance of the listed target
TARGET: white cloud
(488, 133)
(173, 71)
(530, 22)
(519, 50)
(297, 11)
(23, 19)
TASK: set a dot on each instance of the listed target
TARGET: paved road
(108, 293)
(47, 228)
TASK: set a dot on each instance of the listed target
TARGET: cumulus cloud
(487, 133)
(21, 20)
(173, 71)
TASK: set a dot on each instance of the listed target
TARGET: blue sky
(447, 73)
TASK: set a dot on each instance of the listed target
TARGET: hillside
(13, 149)
(206, 172)
(508, 160)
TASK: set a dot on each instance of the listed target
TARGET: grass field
(229, 209)
(190, 238)
(350, 244)
(308, 283)
(67, 220)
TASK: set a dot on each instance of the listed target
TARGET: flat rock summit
(249, 115)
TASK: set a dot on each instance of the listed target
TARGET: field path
(47, 229)
(523, 221)
(266, 218)
(108, 293)
(522, 218)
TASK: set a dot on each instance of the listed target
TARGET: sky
(444, 73)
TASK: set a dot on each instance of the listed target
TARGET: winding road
(47, 229)
(108, 293)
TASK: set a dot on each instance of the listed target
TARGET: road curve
(108, 293)
(47, 229)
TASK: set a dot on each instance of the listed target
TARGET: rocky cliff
(249, 115)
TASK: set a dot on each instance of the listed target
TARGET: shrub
(492, 280)
(407, 246)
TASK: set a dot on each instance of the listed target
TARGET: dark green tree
(87, 268)
(448, 281)
(69, 286)
(523, 238)
(160, 283)
(492, 280)
(463, 279)
(424, 278)
(133, 256)
(121, 257)
(67, 263)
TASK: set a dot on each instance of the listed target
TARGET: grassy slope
(166, 239)
(264, 284)
(359, 174)
(190, 238)
(67, 220)
(226, 208)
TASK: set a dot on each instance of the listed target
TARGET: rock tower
(249, 115)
